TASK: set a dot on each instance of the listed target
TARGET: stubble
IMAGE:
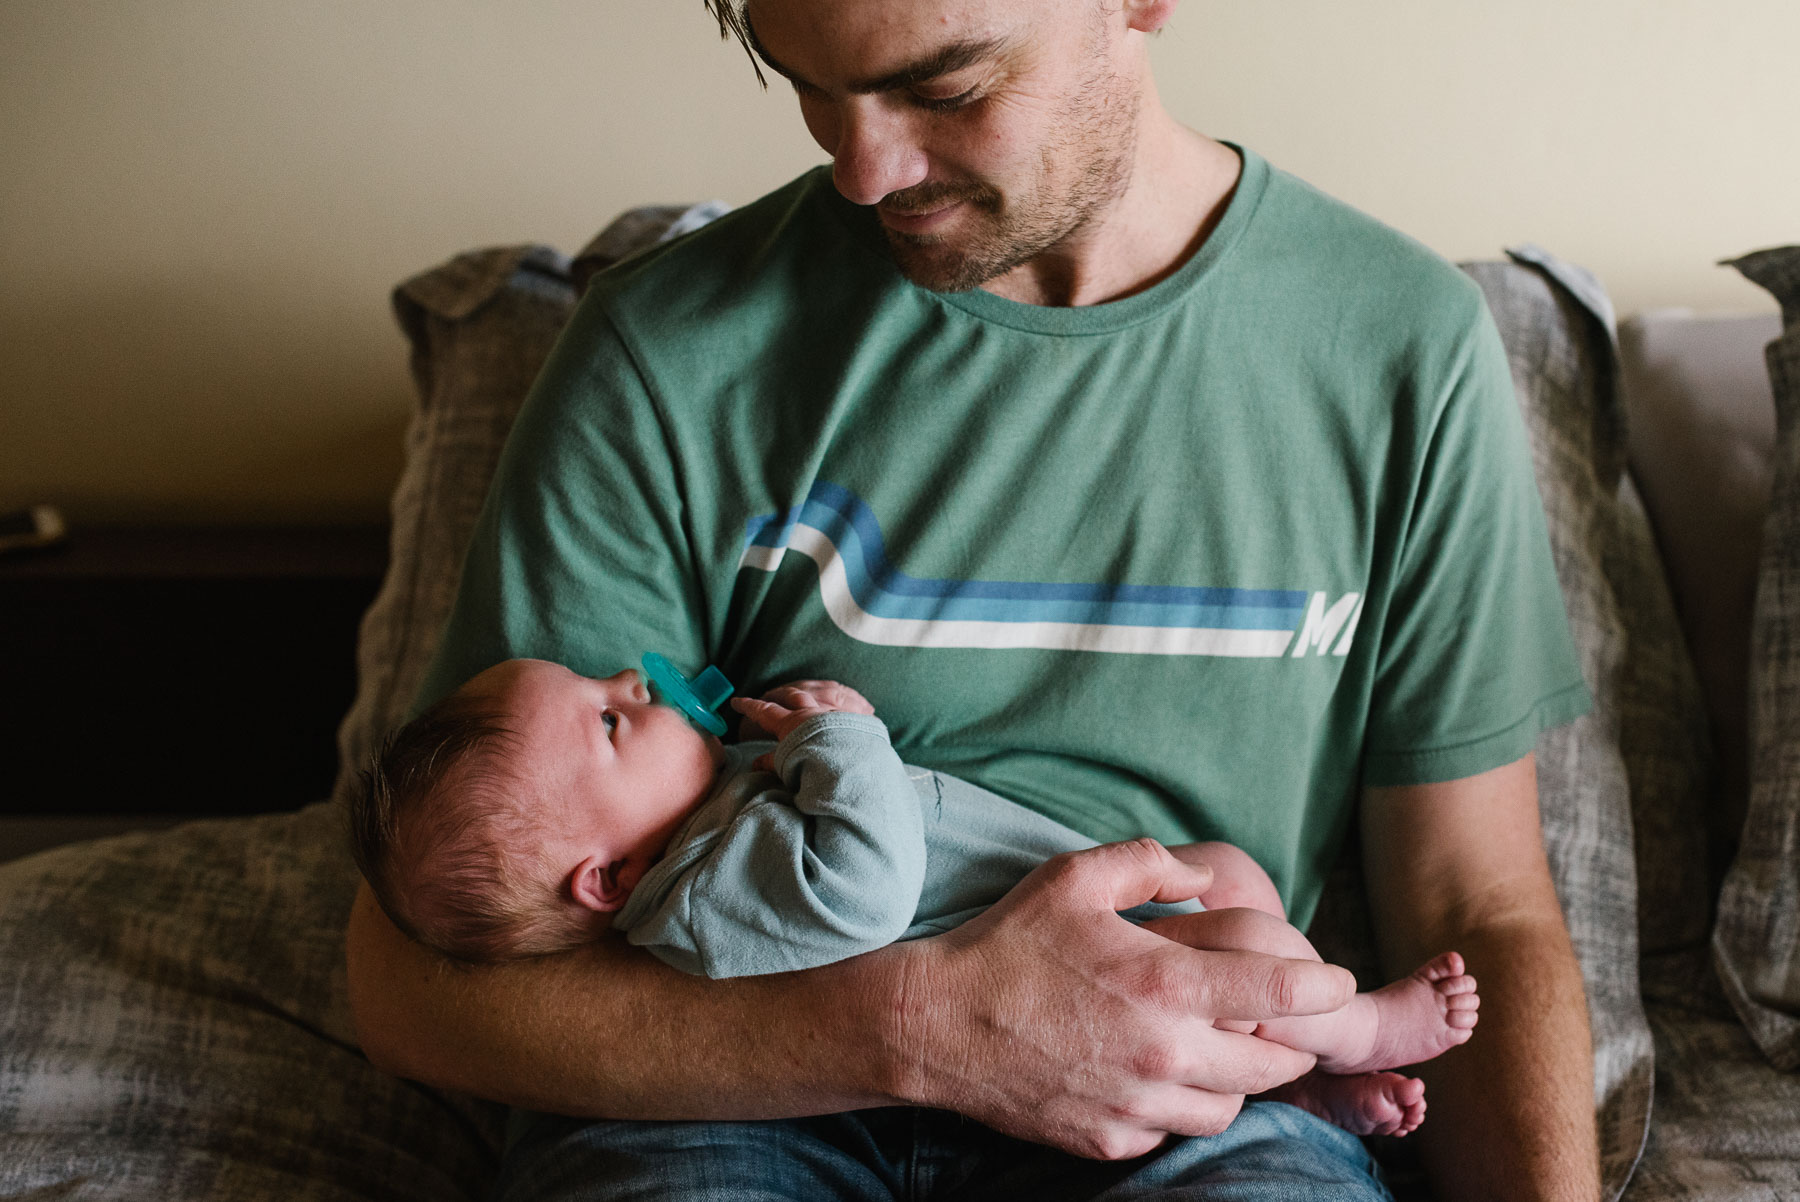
(1098, 136)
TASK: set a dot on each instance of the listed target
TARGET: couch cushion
(1727, 1123)
(176, 1027)
(1757, 939)
(480, 327)
(1702, 441)
(1640, 738)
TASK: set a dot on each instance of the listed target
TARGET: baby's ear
(595, 884)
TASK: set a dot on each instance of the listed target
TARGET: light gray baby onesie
(841, 850)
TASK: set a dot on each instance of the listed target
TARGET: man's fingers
(1254, 987)
(1184, 1110)
(1122, 875)
(1236, 1064)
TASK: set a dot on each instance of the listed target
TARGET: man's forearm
(1048, 1017)
(609, 1031)
(1460, 865)
(1511, 1111)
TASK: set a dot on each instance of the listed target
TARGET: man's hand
(1049, 1017)
(1053, 1019)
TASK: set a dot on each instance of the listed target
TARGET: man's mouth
(917, 221)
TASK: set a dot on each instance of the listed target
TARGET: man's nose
(876, 152)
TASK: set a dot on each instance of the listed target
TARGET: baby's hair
(430, 827)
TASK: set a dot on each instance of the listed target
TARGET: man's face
(984, 133)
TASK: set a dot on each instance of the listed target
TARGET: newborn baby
(534, 809)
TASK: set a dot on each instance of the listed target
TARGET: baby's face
(622, 770)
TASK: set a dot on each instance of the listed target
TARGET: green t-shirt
(1195, 564)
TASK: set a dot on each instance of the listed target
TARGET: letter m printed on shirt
(1323, 623)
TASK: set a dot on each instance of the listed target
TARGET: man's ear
(595, 884)
(1148, 16)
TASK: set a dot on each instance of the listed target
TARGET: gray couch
(172, 1005)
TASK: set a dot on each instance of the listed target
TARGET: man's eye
(610, 720)
(943, 104)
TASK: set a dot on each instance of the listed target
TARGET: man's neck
(1181, 182)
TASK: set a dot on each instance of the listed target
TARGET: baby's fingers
(826, 694)
(794, 697)
(768, 713)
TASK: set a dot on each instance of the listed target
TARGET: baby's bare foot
(1363, 1104)
(1418, 1017)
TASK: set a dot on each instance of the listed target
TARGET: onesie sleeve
(582, 553)
(1475, 657)
(823, 864)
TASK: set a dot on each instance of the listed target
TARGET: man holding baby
(1131, 479)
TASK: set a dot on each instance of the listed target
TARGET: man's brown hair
(730, 14)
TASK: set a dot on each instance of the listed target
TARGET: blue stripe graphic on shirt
(874, 600)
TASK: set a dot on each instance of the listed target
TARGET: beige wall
(203, 203)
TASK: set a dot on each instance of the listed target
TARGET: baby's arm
(822, 864)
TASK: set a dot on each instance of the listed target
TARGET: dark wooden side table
(193, 671)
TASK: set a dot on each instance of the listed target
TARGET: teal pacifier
(696, 698)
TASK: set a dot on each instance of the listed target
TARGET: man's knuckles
(1119, 1143)
(1112, 874)
(1155, 1062)
(1308, 987)
(1136, 1130)
(1265, 1064)
(1209, 1115)
(1255, 986)
(1281, 989)
(1068, 873)
(1165, 983)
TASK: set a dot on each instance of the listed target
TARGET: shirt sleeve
(582, 553)
(1475, 655)
(824, 865)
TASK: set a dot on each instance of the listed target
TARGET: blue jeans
(1271, 1153)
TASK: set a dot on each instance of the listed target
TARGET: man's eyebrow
(953, 57)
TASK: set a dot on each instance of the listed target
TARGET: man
(1130, 478)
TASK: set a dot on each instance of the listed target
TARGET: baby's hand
(812, 696)
(783, 709)
(779, 718)
(826, 694)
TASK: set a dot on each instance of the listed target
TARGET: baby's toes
(1441, 967)
(1455, 986)
(1415, 1114)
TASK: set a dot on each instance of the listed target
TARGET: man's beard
(998, 237)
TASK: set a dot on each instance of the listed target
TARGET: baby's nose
(632, 681)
